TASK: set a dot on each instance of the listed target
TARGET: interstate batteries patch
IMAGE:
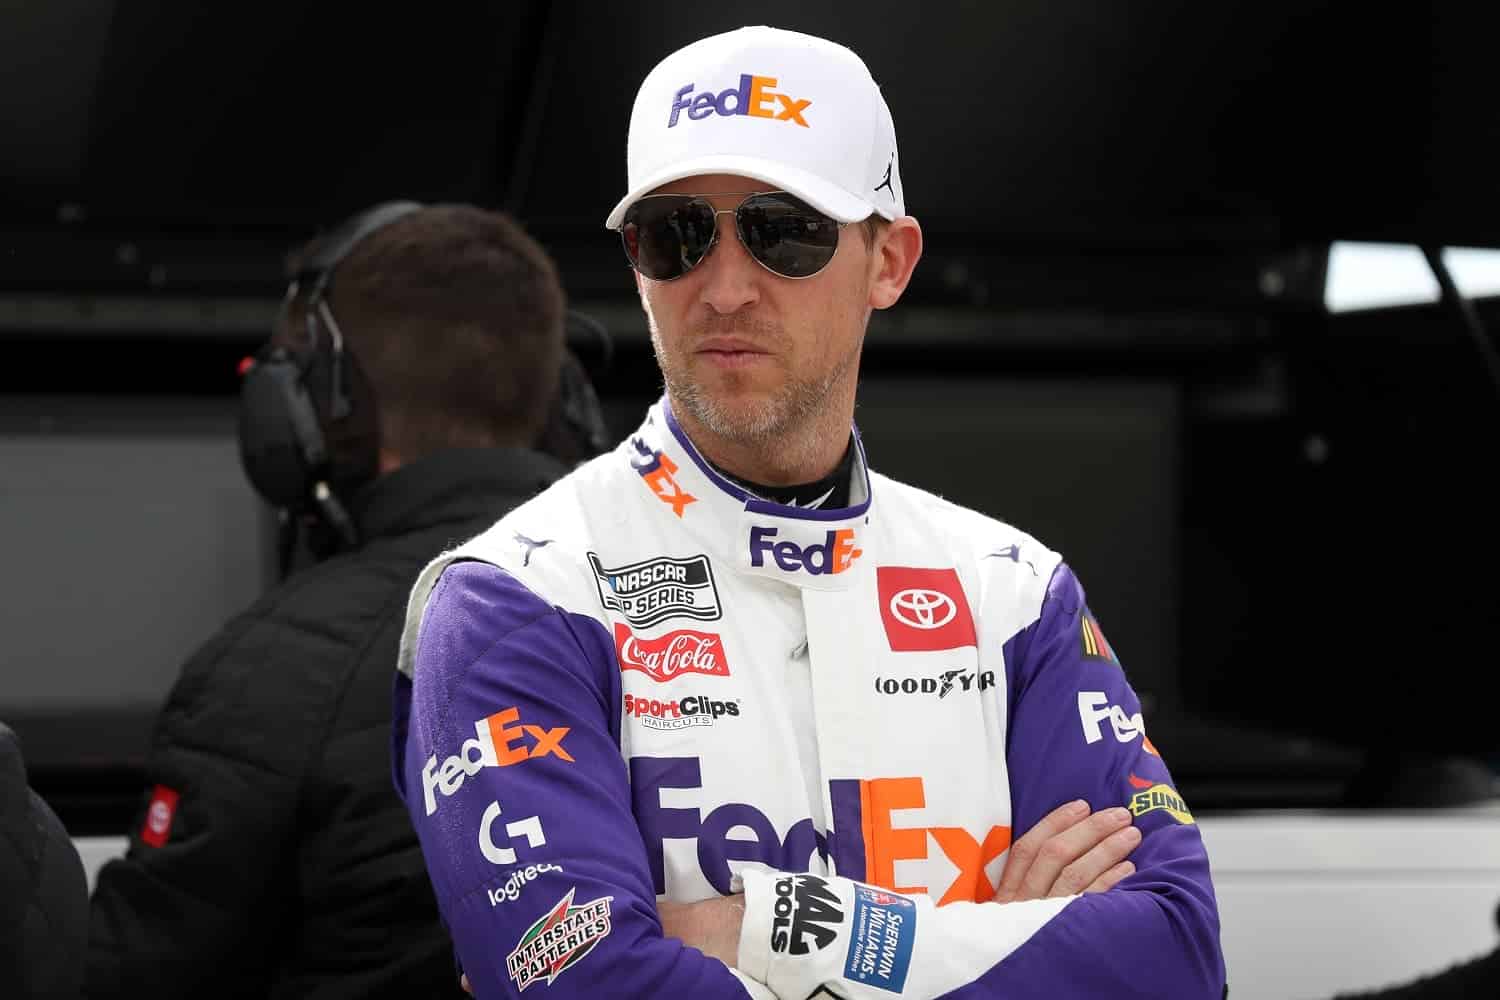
(559, 940)
(653, 590)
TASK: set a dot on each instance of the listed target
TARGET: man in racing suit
(728, 687)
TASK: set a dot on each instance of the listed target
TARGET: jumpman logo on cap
(887, 182)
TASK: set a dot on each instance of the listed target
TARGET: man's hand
(712, 926)
(1068, 852)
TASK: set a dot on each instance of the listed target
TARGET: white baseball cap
(781, 107)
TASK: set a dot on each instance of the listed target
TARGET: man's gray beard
(790, 410)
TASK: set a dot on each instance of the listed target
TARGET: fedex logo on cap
(755, 96)
(835, 555)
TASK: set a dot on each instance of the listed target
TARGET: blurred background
(1209, 303)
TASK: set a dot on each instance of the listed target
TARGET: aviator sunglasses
(667, 235)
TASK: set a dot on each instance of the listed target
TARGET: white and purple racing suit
(648, 684)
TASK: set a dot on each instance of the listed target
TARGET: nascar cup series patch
(654, 590)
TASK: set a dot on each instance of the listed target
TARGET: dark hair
(453, 317)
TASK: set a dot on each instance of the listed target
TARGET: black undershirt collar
(829, 493)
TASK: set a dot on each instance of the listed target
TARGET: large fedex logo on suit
(864, 844)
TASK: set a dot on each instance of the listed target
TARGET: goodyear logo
(756, 96)
(1163, 798)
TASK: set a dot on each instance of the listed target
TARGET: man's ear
(894, 257)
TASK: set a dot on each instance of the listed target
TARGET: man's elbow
(1190, 917)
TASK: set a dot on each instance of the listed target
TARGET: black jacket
(44, 895)
(289, 867)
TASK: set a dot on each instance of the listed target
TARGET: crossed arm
(1070, 851)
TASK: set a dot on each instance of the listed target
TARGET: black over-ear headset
(282, 443)
(283, 447)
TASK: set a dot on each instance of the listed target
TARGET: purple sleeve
(1075, 732)
(507, 756)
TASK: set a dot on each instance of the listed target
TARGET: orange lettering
(970, 857)
(665, 487)
(505, 754)
(885, 845)
(792, 110)
(758, 96)
(844, 552)
(549, 741)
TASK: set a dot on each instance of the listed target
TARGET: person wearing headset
(419, 363)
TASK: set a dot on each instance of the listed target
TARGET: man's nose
(731, 278)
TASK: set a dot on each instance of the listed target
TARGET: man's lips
(731, 352)
(729, 345)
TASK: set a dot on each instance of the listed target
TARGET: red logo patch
(159, 813)
(924, 609)
(685, 651)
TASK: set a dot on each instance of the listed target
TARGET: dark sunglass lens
(666, 235)
(786, 234)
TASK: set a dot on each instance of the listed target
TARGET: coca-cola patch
(684, 651)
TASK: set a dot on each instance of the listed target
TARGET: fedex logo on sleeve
(1094, 707)
(499, 740)
(755, 96)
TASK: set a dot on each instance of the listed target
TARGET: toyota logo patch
(922, 608)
